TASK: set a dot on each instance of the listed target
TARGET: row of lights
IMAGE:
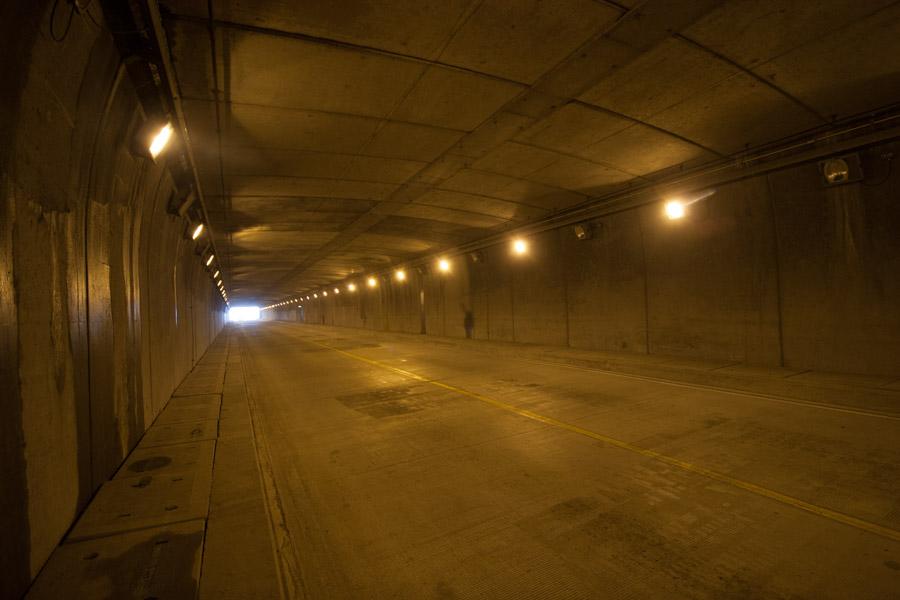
(158, 143)
(519, 247)
(673, 209)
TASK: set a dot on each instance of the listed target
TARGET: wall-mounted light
(519, 246)
(583, 231)
(371, 282)
(160, 140)
(197, 231)
(337, 290)
(351, 287)
(675, 209)
(210, 259)
(400, 275)
(444, 265)
(315, 295)
(325, 293)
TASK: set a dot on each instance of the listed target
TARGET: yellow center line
(684, 465)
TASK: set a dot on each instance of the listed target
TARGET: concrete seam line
(282, 544)
(684, 465)
(215, 456)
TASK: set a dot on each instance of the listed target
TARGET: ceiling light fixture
(444, 265)
(675, 209)
(371, 281)
(583, 231)
(197, 231)
(210, 259)
(160, 140)
(400, 274)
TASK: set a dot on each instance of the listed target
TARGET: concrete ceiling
(339, 137)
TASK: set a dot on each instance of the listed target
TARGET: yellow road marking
(686, 466)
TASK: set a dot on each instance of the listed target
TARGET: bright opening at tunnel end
(243, 313)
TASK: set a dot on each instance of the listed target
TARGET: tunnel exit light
(243, 313)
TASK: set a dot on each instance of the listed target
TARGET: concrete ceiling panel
(293, 73)
(301, 163)
(272, 127)
(736, 114)
(580, 176)
(275, 241)
(478, 182)
(284, 163)
(511, 188)
(442, 168)
(388, 170)
(752, 32)
(502, 126)
(516, 160)
(253, 185)
(454, 99)
(495, 207)
(414, 27)
(412, 142)
(521, 40)
(437, 213)
(448, 234)
(208, 168)
(280, 210)
(189, 43)
(398, 245)
(200, 116)
(573, 128)
(853, 70)
(668, 74)
(640, 150)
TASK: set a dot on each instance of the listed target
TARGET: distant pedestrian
(469, 322)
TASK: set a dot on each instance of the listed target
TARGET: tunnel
(450, 299)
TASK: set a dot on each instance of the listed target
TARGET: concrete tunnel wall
(772, 270)
(104, 306)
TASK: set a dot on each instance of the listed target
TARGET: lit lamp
(674, 209)
(160, 140)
